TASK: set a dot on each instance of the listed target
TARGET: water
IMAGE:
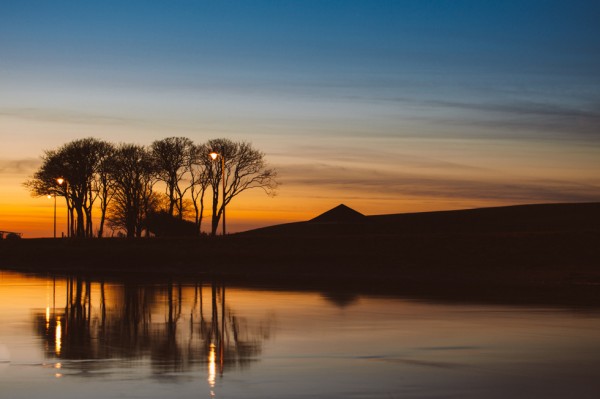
(73, 338)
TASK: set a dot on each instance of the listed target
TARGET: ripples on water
(74, 337)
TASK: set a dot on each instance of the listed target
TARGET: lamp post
(214, 156)
(60, 181)
(50, 196)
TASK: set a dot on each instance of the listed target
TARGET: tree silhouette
(245, 169)
(103, 183)
(133, 175)
(120, 180)
(171, 157)
(199, 180)
(77, 162)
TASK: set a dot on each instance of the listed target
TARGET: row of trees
(121, 181)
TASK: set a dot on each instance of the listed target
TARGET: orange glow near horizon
(409, 175)
(34, 216)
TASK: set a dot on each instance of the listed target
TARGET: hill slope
(547, 218)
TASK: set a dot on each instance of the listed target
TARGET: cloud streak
(19, 166)
(374, 184)
(63, 116)
(371, 153)
(517, 118)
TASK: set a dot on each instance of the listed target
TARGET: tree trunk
(199, 219)
(89, 228)
(130, 221)
(215, 215)
(171, 199)
(180, 208)
(71, 222)
(102, 219)
(80, 222)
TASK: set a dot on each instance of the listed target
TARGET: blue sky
(434, 57)
(447, 102)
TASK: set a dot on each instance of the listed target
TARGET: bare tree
(245, 168)
(172, 161)
(199, 178)
(132, 172)
(44, 180)
(122, 178)
(103, 183)
(76, 162)
(99, 187)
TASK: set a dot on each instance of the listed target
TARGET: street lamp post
(214, 156)
(50, 196)
(60, 181)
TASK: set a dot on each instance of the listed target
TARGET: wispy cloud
(520, 108)
(19, 166)
(369, 183)
(384, 153)
(534, 118)
(63, 116)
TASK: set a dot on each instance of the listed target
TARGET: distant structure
(9, 235)
(339, 214)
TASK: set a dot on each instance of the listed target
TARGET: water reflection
(173, 327)
(57, 338)
(188, 338)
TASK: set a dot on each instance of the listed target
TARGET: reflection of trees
(123, 328)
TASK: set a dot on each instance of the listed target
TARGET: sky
(385, 106)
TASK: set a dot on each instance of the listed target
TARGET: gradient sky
(386, 106)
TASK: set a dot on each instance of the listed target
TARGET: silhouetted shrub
(161, 224)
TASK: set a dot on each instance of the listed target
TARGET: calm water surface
(71, 338)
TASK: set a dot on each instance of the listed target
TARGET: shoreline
(547, 268)
(544, 253)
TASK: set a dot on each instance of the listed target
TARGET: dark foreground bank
(560, 265)
(533, 252)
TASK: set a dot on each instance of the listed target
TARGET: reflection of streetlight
(214, 156)
(212, 365)
(60, 181)
(57, 337)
